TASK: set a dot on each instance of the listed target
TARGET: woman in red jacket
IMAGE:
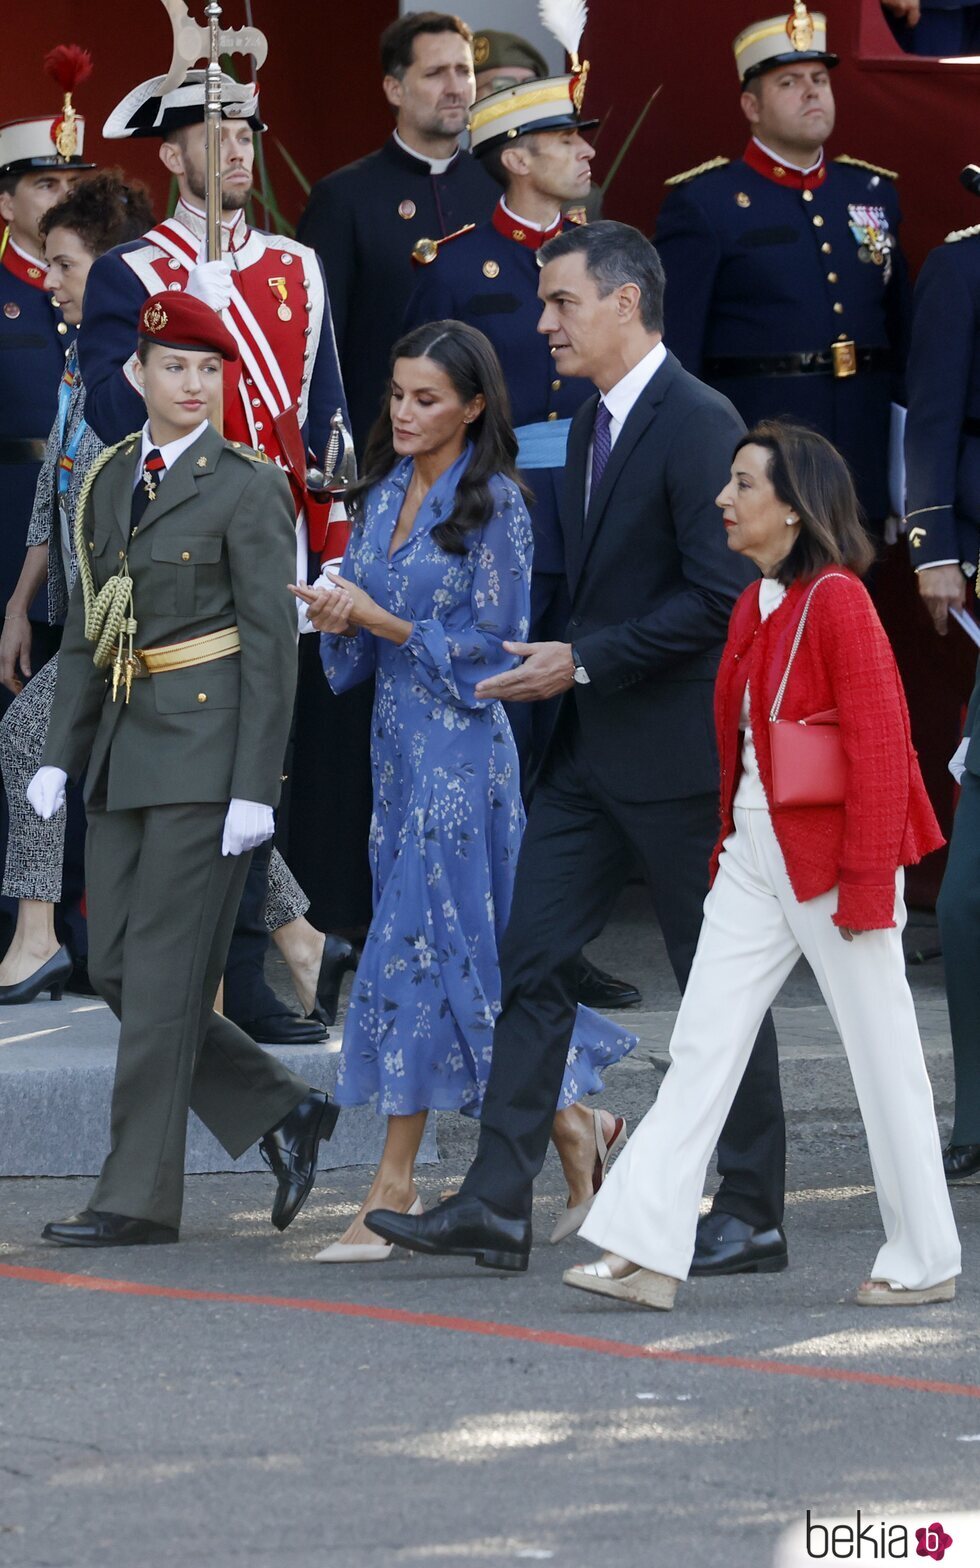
(822, 880)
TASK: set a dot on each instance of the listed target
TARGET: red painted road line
(490, 1330)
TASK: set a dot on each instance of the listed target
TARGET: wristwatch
(581, 673)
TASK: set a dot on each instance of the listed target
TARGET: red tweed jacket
(844, 662)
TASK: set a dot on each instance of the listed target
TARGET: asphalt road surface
(227, 1402)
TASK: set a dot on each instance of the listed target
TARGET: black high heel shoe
(52, 976)
(338, 957)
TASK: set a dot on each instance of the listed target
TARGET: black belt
(25, 451)
(816, 364)
(971, 427)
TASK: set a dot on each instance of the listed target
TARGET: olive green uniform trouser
(162, 900)
(958, 909)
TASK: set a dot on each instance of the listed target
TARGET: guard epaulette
(862, 163)
(248, 452)
(962, 234)
(425, 251)
(700, 168)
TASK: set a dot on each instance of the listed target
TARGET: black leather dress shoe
(338, 958)
(961, 1160)
(97, 1228)
(290, 1150)
(51, 976)
(595, 988)
(285, 1029)
(461, 1227)
(728, 1245)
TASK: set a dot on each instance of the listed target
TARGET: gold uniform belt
(185, 655)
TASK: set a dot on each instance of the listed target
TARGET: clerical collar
(234, 233)
(531, 235)
(764, 161)
(436, 165)
(30, 269)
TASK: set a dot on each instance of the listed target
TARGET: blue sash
(542, 445)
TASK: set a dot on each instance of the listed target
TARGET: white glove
(322, 582)
(46, 791)
(957, 762)
(247, 825)
(210, 281)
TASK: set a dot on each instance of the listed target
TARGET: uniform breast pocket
(206, 688)
(189, 577)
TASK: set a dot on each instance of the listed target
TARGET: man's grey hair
(616, 254)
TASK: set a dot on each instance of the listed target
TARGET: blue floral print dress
(448, 817)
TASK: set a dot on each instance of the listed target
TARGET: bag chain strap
(777, 703)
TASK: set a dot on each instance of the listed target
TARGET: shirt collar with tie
(169, 452)
(619, 401)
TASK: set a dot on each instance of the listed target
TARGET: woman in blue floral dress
(435, 579)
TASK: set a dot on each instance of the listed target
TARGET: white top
(750, 795)
(170, 452)
(620, 399)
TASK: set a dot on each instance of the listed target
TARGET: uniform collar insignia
(521, 233)
(27, 268)
(782, 173)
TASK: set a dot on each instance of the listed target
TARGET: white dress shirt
(170, 452)
(619, 400)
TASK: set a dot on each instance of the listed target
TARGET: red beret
(178, 320)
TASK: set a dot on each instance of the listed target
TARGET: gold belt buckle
(844, 355)
(139, 669)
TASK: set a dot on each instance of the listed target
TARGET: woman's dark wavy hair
(104, 211)
(809, 476)
(470, 362)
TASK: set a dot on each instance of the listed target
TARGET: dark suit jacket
(216, 548)
(652, 583)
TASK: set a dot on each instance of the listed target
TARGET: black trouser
(958, 909)
(579, 844)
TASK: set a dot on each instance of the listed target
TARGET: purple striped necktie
(601, 445)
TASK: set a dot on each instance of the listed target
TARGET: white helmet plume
(565, 19)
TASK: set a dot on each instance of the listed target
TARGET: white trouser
(754, 930)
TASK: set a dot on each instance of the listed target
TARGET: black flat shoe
(338, 958)
(52, 976)
(290, 1150)
(728, 1245)
(461, 1227)
(95, 1228)
(285, 1029)
(961, 1160)
(595, 988)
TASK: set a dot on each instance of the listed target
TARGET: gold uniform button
(185, 555)
(838, 309)
(91, 544)
(62, 327)
(552, 415)
(807, 195)
(826, 247)
(555, 386)
(831, 277)
(122, 555)
(202, 696)
(817, 221)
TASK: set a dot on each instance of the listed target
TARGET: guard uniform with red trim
(786, 287)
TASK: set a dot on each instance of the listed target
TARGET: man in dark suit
(632, 769)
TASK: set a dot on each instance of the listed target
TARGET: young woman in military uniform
(174, 692)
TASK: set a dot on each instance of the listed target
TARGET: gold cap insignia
(491, 269)
(155, 319)
(481, 51)
(800, 26)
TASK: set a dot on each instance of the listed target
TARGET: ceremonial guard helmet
(547, 103)
(50, 143)
(145, 112)
(782, 40)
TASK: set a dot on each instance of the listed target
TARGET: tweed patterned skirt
(35, 848)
